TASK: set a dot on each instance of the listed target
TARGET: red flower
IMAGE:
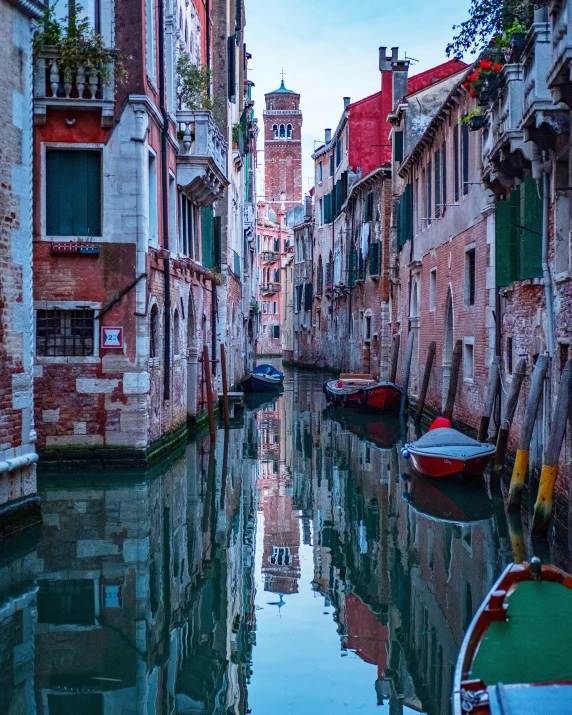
(472, 93)
(486, 64)
(466, 85)
(473, 77)
(497, 68)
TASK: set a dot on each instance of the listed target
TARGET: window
(468, 359)
(73, 192)
(89, 9)
(176, 334)
(275, 131)
(150, 40)
(282, 131)
(331, 163)
(66, 602)
(564, 355)
(444, 174)
(368, 207)
(509, 355)
(187, 227)
(437, 184)
(320, 172)
(429, 193)
(367, 328)
(397, 146)
(320, 277)
(277, 245)
(289, 131)
(280, 555)
(433, 289)
(274, 307)
(308, 296)
(470, 277)
(154, 332)
(64, 332)
(276, 331)
(321, 212)
(465, 156)
(173, 209)
(339, 152)
(456, 160)
(152, 186)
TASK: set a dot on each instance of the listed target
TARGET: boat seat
(356, 376)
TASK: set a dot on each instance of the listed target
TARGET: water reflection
(288, 568)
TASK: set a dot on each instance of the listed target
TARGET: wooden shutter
(231, 65)
(444, 173)
(328, 208)
(207, 237)
(530, 249)
(73, 193)
(502, 244)
(308, 296)
(217, 252)
(437, 184)
(352, 269)
(374, 259)
(456, 160)
(407, 200)
(465, 156)
(398, 146)
(429, 192)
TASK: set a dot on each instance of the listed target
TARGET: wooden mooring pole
(453, 379)
(426, 377)
(210, 398)
(225, 407)
(523, 451)
(494, 374)
(394, 358)
(405, 386)
(508, 415)
(549, 473)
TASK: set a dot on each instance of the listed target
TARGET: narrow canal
(288, 569)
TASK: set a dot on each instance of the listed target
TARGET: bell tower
(283, 148)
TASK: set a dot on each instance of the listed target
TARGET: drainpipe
(545, 267)
(165, 205)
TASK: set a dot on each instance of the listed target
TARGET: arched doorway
(448, 343)
(192, 357)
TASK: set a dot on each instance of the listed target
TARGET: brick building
(271, 238)
(19, 505)
(154, 257)
(351, 253)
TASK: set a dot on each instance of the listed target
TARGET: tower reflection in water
(143, 594)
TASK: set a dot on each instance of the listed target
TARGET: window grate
(64, 332)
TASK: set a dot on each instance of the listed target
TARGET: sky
(329, 50)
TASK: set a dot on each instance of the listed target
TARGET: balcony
(542, 119)
(87, 88)
(270, 257)
(559, 78)
(504, 149)
(203, 157)
(270, 288)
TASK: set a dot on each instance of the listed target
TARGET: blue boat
(264, 378)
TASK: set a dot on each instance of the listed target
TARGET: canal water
(292, 567)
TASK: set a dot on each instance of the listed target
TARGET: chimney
(384, 63)
(400, 70)
(307, 207)
(328, 135)
(346, 102)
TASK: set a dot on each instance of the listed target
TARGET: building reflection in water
(137, 596)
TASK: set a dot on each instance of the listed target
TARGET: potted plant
(79, 56)
(474, 119)
(193, 84)
(516, 36)
(483, 82)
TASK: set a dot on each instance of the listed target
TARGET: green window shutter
(437, 184)
(368, 207)
(400, 228)
(374, 256)
(328, 208)
(352, 269)
(429, 192)
(217, 252)
(514, 233)
(398, 146)
(408, 213)
(502, 244)
(530, 253)
(73, 193)
(231, 68)
(444, 173)
(465, 157)
(207, 237)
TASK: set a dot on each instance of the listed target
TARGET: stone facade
(272, 244)
(19, 506)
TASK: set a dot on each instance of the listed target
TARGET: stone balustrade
(84, 88)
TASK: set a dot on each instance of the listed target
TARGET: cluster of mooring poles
(561, 414)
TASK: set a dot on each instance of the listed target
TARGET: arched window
(282, 131)
(176, 333)
(154, 332)
(289, 131)
(276, 275)
(275, 130)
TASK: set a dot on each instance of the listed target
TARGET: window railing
(270, 288)
(270, 256)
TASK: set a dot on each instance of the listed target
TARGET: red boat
(362, 391)
(443, 452)
(516, 656)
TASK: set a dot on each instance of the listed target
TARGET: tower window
(289, 131)
(275, 131)
(282, 131)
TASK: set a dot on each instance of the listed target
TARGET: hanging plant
(79, 46)
(483, 81)
(474, 119)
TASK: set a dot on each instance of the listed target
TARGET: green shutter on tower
(398, 146)
(502, 244)
(73, 193)
(530, 253)
(207, 237)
